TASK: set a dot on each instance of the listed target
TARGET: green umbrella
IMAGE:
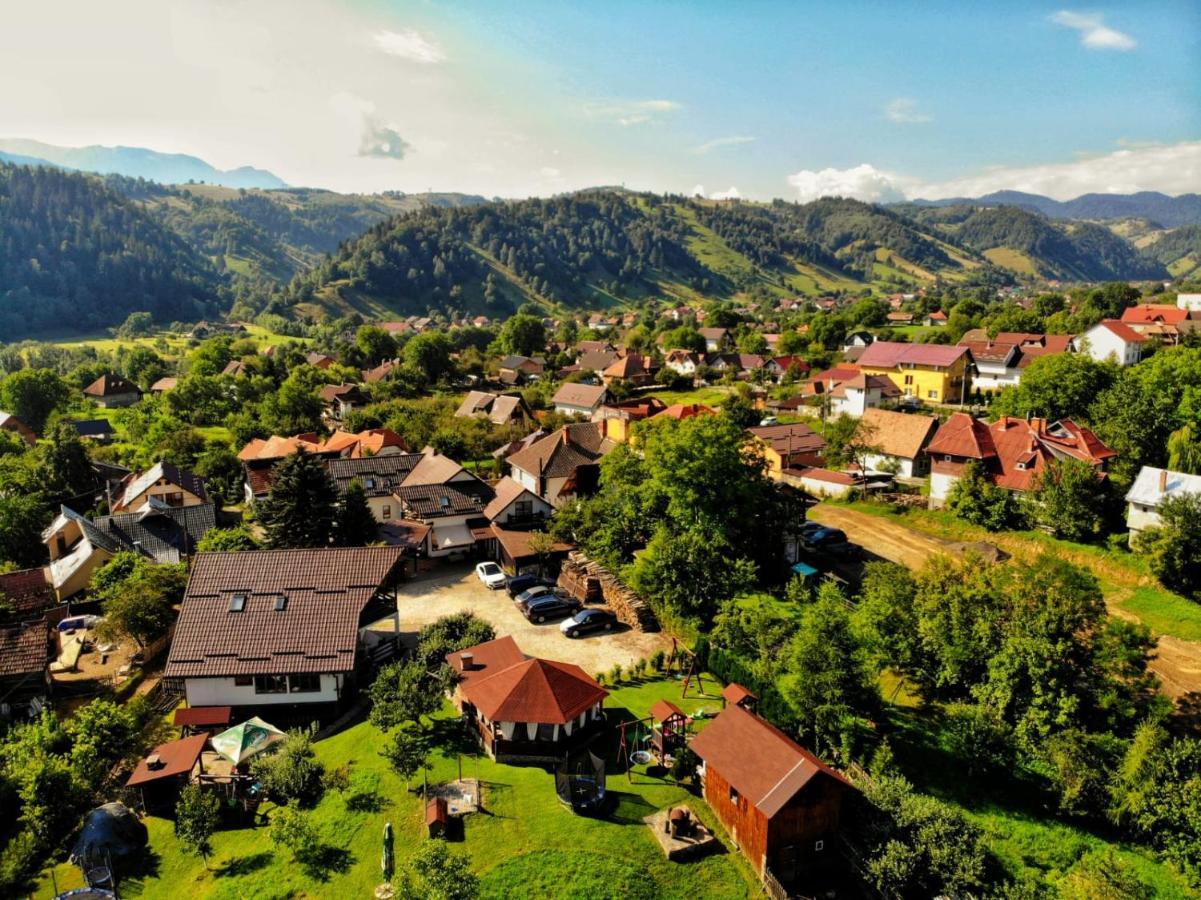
(385, 861)
(243, 741)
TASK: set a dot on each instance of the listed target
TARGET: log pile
(590, 582)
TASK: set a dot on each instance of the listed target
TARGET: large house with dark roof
(379, 476)
(1013, 452)
(111, 391)
(525, 709)
(564, 464)
(284, 629)
(781, 804)
(162, 481)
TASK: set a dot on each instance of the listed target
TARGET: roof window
(237, 603)
(281, 602)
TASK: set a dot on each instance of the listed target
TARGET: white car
(491, 574)
(770, 420)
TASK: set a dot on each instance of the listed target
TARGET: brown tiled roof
(899, 434)
(688, 411)
(475, 402)
(166, 383)
(27, 592)
(434, 501)
(735, 693)
(596, 360)
(534, 690)
(433, 468)
(990, 351)
(583, 395)
(108, 385)
(175, 758)
(202, 715)
(762, 763)
(561, 453)
(517, 543)
(1151, 313)
(379, 475)
(629, 366)
(407, 534)
(784, 439)
(276, 447)
(1122, 330)
(665, 709)
(380, 372)
(316, 631)
(24, 649)
(332, 392)
(507, 490)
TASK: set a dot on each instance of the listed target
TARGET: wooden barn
(779, 802)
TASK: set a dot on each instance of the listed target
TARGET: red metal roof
(890, 354)
(963, 436)
(175, 758)
(202, 715)
(534, 690)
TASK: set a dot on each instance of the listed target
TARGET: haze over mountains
(1170, 212)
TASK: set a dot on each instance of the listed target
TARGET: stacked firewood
(590, 582)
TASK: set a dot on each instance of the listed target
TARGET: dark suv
(550, 606)
(520, 583)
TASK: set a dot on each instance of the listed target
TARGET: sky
(878, 100)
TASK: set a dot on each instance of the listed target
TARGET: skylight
(237, 603)
(281, 602)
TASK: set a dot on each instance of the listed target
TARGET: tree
(689, 571)
(32, 395)
(1103, 875)
(22, 518)
(1174, 547)
(291, 828)
(449, 634)
(523, 335)
(437, 874)
(296, 407)
(684, 338)
(1070, 500)
(101, 732)
(68, 471)
(136, 324)
(300, 509)
(219, 466)
(291, 773)
(429, 353)
(1184, 450)
(196, 816)
(826, 683)
(403, 692)
(407, 750)
(355, 525)
(850, 441)
(1058, 386)
(227, 540)
(374, 344)
(541, 545)
(976, 499)
(141, 604)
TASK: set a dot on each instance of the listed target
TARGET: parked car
(588, 620)
(519, 583)
(768, 420)
(491, 575)
(539, 593)
(550, 606)
(827, 540)
(809, 527)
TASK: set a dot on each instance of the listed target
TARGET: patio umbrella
(385, 861)
(243, 741)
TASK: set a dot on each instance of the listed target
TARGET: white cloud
(698, 190)
(731, 193)
(1170, 168)
(1094, 33)
(717, 143)
(382, 141)
(905, 111)
(863, 182)
(407, 44)
(632, 112)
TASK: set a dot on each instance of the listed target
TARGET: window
(304, 684)
(909, 379)
(281, 602)
(175, 498)
(444, 502)
(387, 514)
(368, 482)
(237, 603)
(523, 509)
(271, 684)
(733, 794)
(243, 680)
(933, 395)
(819, 846)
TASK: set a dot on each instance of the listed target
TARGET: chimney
(1038, 424)
(466, 661)
(1163, 481)
(154, 762)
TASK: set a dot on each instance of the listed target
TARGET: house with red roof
(1113, 340)
(781, 804)
(1013, 452)
(932, 373)
(525, 710)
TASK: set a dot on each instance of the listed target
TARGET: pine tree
(301, 507)
(356, 524)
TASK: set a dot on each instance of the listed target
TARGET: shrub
(659, 660)
(292, 773)
(615, 674)
(291, 828)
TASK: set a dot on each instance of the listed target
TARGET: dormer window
(369, 482)
(444, 502)
(237, 603)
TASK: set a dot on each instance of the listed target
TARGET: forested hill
(1179, 250)
(594, 248)
(1028, 243)
(76, 255)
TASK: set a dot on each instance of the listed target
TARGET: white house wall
(223, 692)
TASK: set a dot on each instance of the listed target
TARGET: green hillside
(1178, 250)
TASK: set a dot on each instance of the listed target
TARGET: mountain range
(1168, 212)
(134, 162)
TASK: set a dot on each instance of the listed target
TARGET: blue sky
(879, 100)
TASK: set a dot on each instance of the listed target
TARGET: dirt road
(1177, 662)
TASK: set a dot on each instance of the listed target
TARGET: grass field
(1124, 577)
(713, 395)
(525, 844)
(1013, 260)
(176, 344)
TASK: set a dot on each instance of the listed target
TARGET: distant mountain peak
(1170, 212)
(136, 162)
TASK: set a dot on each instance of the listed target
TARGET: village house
(594, 347)
(935, 319)
(235, 368)
(788, 447)
(1013, 452)
(516, 506)
(525, 710)
(341, 399)
(1000, 361)
(683, 362)
(78, 546)
(25, 649)
(1190, 302)
(933, 373)
(633, 367)
(899, 318)
(779, 366)
(899, 441)
(260, 456)
(618, 419)
(563, 465)
(1150, 489)
(382, 371)
(165, 384)
(379, 476)
(579, 399)
(1161, 321)
(13, 425)
(860, 393)
(716, 339)
(112, 391)
(162, 481)
(596, 361)
(737, 364)
(441, 494)
(284, 629)
(781, 805)
(858, 339)
(520, 369)
(99, 431)
(1112, 340)
(499, 409)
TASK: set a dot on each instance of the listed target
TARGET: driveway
(454, 588)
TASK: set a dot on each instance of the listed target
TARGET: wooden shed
(437, 817)
(165, 771)
(779, 802)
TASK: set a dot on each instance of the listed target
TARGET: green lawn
(1124, 577)
(526, 843)
(713, 395)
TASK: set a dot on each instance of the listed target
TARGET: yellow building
(932, 373)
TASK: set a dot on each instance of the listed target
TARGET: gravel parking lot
(455, 588)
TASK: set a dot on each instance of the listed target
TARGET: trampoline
(582, 786)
